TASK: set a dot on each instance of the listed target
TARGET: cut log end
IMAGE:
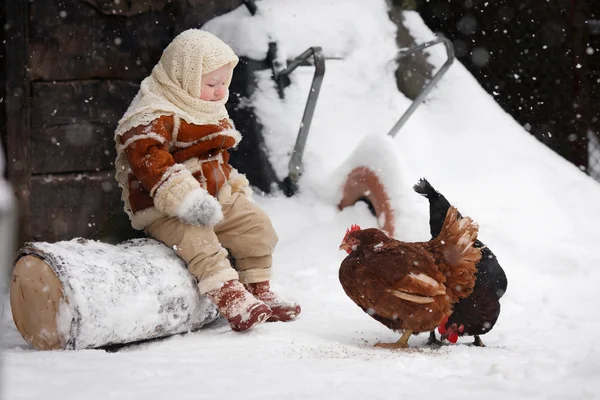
(35, 296)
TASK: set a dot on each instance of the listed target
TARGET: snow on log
(81, 294)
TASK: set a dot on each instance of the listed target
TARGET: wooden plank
(127, 8)
(78, 205)
(80, 101)
(83, 39)
(17, 107)
(76, 147)
(75, 123)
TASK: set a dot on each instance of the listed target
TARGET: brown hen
(410, 286)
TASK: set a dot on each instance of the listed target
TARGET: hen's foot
(396, 345)
(400, 344)
(478, 342)
(433, 340)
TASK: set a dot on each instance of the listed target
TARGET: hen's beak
(344, 246)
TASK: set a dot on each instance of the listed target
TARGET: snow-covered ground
(538, 213)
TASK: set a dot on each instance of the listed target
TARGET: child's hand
(200, 208)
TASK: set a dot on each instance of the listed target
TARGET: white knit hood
(173, 87)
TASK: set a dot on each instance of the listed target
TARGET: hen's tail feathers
(424, 188)
(438, 205)
(459, 257)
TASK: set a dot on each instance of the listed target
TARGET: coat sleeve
(147, 151)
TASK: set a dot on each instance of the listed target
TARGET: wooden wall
(70, 69)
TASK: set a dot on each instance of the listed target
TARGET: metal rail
(290, 184)
(434, 80)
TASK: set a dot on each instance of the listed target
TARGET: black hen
(476, 314)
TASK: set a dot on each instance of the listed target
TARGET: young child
(172, 165)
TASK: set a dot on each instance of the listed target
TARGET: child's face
(215, 84)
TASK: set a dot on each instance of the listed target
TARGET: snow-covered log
(81, 294)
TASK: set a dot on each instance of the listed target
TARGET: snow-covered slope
(538, 213)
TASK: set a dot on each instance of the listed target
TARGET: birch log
(81, 294)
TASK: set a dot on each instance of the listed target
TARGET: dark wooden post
(17, 107)
(575, 143)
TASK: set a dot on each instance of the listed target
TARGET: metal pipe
(295, 165)
(434, 80)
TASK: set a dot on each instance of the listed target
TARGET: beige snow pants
(246, 232)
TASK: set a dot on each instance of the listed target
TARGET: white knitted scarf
(173, 88)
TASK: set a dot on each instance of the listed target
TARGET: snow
(538, 213)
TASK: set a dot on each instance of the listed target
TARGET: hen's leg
(478, 342)
(433, 339)
(400, 344)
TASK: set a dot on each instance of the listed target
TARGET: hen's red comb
(353, 228)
